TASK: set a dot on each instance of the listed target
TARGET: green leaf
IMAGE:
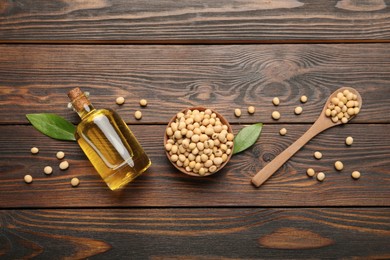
(53, 126)
(247, 137)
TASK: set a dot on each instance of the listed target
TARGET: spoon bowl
(325, 120)
(322, 123)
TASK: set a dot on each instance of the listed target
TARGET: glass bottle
(108, 143)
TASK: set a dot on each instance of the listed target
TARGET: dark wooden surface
(195, 21)
(220, 76)
(177, 233)
(220, 54)
(164, 186)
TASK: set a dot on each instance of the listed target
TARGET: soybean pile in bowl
(198, 141)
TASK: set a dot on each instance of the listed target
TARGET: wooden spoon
(322, 123)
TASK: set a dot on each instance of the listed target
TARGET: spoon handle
(279, 160)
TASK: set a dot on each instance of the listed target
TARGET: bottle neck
(80, 102)
(87, 108)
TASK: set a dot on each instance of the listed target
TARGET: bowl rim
(223, 120)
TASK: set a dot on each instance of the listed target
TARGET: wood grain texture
(180, 54)
(163, 185)
(187, 233)
(193, 21)
(292, 238)
(36, 78)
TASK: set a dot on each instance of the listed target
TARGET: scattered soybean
(143, 102)
(60, 155)
(120, 100)
(48, 170)
(28, 178)
(138, 115)
(349, 140)
(317, 155)
(321, 176)
(310, 172)
(75, 182)
(275, 115)
(355, 175)
(251, 109)
(64, 165)
(298, 110)
(237, 112)
(276, 101)
(338, 165)
(34, 150)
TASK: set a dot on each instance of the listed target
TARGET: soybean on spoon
(322, 123)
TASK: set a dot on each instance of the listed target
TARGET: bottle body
(111, 147)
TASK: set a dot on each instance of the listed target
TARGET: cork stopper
(79, 100)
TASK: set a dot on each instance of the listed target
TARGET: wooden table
(176, 54)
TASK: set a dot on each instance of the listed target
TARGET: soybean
(28, 179)
(321, 176)
(251, 109)
(213, 168)
(348, 140)
(303, 99)
(276, 115)
(60, 155)
(143, 103)
(75, 182)
(120, 100)
(355, 175)
(338, 165)
(48, 170)
(138, 115)
(276, 101)
(283, 131)
(310, 172)
(64, 165)
(298, 110)
(217, 160)
(317, 155)
(34, 150)
(237, 112)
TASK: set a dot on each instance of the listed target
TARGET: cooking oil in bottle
(108, 143)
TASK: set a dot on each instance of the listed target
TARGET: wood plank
(163, 185)
(193, 21)
(36, 78)
(188, 233)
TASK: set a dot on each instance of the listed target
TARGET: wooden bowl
(182, 169)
